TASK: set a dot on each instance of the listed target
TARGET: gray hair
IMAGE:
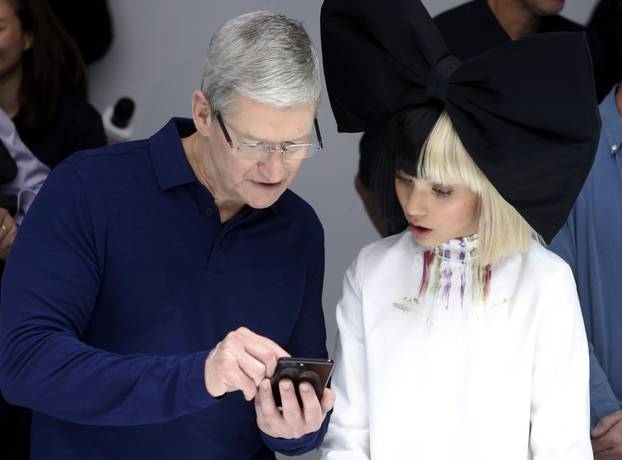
(264, 56)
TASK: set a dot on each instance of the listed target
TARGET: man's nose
(272, 167)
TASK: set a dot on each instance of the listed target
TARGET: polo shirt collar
(169, 160)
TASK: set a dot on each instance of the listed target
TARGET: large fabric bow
(526, 111)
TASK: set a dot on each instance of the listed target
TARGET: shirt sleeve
(308, 340)
(49, 291)
(560, 382)
(348, 434)
(31, 173)
(603, 400)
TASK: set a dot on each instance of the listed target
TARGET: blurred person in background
(591, 243)
(43, 90)
(43, 83)
(21, 177)
(603, 23)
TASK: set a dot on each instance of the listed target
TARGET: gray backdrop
(157, 58)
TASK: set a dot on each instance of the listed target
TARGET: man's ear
(202, 113)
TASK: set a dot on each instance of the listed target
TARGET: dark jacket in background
(77, 126)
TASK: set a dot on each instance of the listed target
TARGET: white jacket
(467, 369)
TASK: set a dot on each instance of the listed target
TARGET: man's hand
(8, 230)
(607, 437)
(291, 421)
(240, 362)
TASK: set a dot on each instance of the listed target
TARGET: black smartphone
(317, 372)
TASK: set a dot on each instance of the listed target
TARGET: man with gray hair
(154, 284)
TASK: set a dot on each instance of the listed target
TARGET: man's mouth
(268, 184)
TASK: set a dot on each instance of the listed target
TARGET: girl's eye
(403, 179)
(442, 192)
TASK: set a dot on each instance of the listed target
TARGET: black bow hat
(526, 111)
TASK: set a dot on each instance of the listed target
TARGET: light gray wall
(157, 59)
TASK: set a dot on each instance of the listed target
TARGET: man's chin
(261, 195)
(264, 202)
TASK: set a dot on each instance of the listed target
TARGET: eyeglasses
(262, 150)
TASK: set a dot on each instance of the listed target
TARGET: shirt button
(208, 211)
(614, 148)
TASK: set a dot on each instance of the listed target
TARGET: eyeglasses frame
(283, 149)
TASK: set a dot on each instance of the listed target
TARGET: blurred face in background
(544, 7)
(13, 41)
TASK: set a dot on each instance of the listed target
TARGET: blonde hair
(501, 229)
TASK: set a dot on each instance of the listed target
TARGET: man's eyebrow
(249, 136)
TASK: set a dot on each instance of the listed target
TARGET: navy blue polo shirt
(120, 281)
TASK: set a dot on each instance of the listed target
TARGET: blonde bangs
(444, 160)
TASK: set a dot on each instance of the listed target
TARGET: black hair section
(400, 142)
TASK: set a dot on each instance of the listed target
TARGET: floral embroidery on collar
(449, 267)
